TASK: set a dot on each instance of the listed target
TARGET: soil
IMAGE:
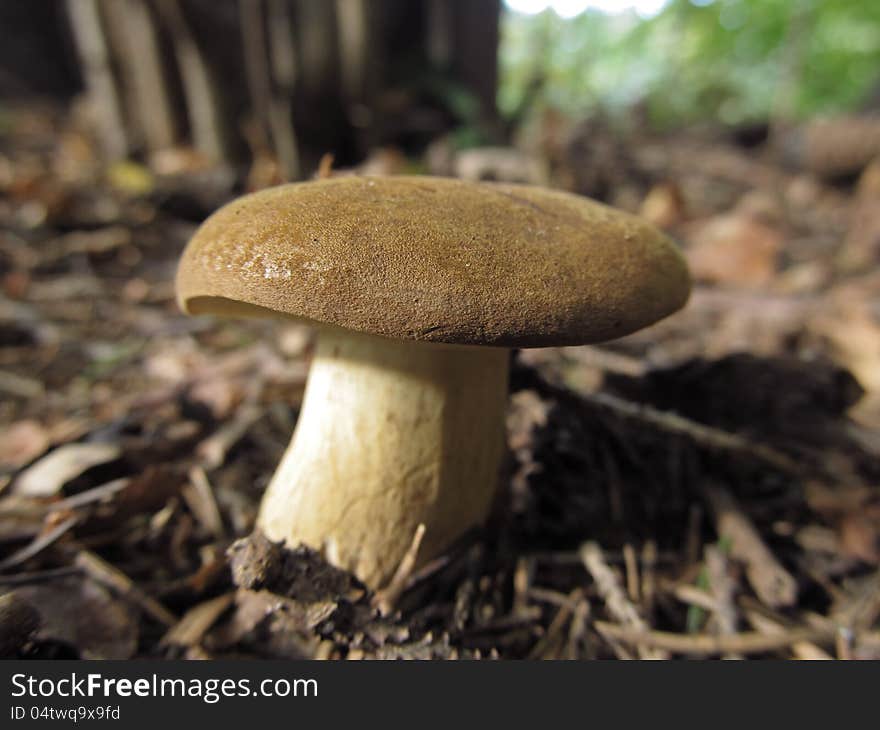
(708, 487)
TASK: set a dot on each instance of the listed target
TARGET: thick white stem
(391, 434)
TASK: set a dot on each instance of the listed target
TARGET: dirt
(707, 487)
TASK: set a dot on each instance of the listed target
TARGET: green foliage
(731, 61)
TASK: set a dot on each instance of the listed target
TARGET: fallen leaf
(740, 248)
(46, 477)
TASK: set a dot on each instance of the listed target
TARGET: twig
(104, 573)
(95, 494)
(612, 593)
(577, 628)
(212, 451)
(649, 577)
(860, 608)
(707, 645)
(693, 536)
(773, 584)
(522, 578)
(37, 576)
(386, 597)
(693, 596)
(199, 497)
(546, 595)
(723, 591)
(843, 644)
(767, 625)
(631, 563)
(704, 435)
(39, 543)
(188, 632)
(543, 649)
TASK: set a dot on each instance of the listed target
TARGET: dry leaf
(46, 477)
(739, 249)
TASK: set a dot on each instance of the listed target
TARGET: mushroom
(419, 287)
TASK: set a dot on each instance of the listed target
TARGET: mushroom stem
(391, 434)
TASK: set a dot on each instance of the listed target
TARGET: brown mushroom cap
(435, 260)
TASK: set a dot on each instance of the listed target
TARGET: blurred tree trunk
(94, 55)
(134, 45)
(200, 88)
(294, 78)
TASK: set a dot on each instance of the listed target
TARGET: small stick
(212, 451)
(577, 628)
(612, 593)
(693, 540)
(385, 598)
(37, 576)
(704, 435)
(773, 584)
(96, 494)
(649, 577)
(102, 572)
(843, 642)
(39, 543)
(522, 576)
(189, 631)
(542, 649)
(723, 592)
(707, 645)
(632, 572)
(767, 625)
(694, 596)
(546, 595)
(199, 497)
(859, 608)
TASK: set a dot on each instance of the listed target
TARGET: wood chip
(772, 583)
(189, 631)
(199, 497)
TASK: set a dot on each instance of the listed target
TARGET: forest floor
(709, 487)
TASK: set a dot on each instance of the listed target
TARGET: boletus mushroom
(419, 287)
